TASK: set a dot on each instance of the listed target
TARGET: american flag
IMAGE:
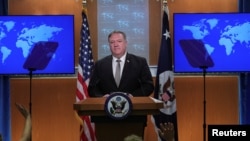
(164, 84)
(85, 66)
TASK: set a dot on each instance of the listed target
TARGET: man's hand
(166, 131)
(106, 95)
(22, 110)
(26, 136)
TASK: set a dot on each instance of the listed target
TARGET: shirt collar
(122, 58)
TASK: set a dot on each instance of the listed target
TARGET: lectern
(111, 131)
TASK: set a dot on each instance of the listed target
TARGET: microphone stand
(30, 74)
(204, 101)
(30, 103)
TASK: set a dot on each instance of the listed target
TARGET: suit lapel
(110, 69)
(125, 72)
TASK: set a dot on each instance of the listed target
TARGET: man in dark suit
(136, 78)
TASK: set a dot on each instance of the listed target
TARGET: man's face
(117, 44)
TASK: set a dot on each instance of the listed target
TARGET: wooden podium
(117, 131)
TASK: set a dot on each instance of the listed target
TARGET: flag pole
(165, 2)
(85, 65)
(84, 2)
(84, 8)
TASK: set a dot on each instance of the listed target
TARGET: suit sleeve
(145, 81)
(93, 90)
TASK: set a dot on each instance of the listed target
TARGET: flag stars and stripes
(164, 83)
(167, 35)
(85, 66)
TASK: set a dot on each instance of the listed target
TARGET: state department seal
(118, 105)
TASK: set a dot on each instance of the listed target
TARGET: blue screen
(20, 33)
(225, 37)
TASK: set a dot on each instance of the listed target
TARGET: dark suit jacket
(136, 79)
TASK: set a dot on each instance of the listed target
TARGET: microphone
(94, 83)
(97, 81)
(92, 88)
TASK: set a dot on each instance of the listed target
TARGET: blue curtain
(5, 108)
(3, 7)
(245, 98)
(4, 93)
(244, 6)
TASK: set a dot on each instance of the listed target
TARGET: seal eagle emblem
(118, 105)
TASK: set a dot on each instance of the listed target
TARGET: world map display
(225, 36)
(19, 34)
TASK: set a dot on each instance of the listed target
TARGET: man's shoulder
(104, 59)
(136, 57)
